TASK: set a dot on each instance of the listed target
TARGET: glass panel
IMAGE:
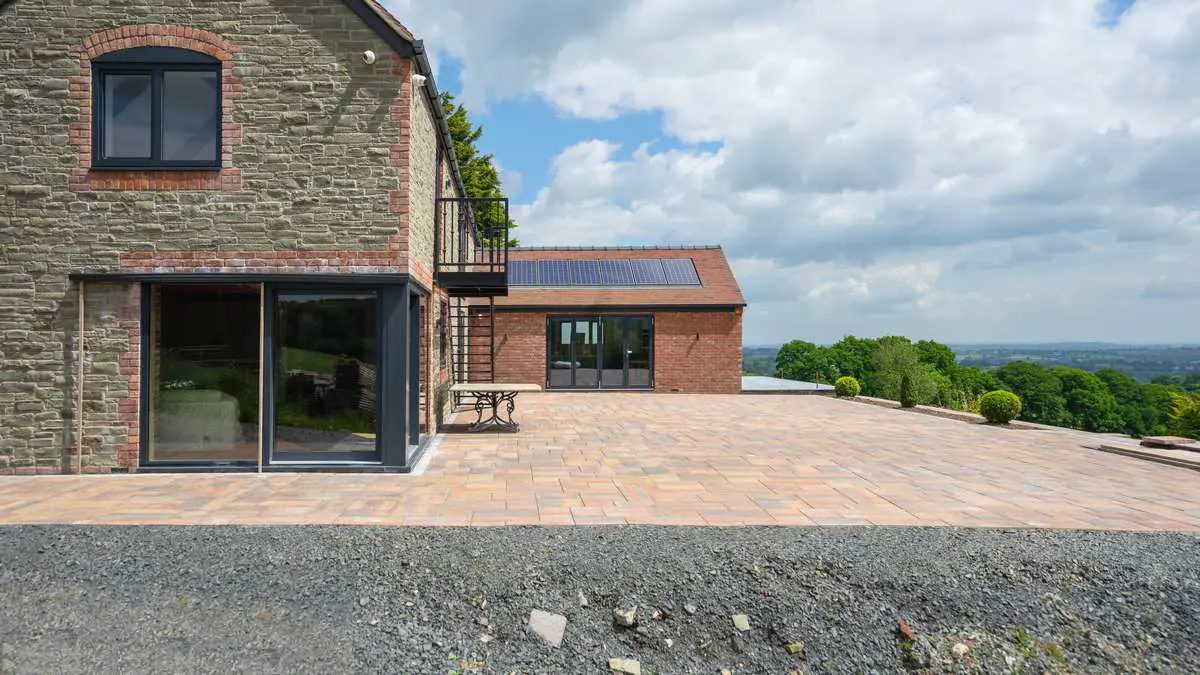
(585, 336)
(638, 343)
(190, 116)
(127, 116)
(325, 393)
(613, 350)
(204, 373)
(560, 354)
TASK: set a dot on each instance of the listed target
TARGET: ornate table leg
(510, 403)
(484, 400)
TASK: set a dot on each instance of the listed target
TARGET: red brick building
(664, 319)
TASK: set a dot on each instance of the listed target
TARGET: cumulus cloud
(883, 166)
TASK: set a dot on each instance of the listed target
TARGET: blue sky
(962, 171)
(525, 134)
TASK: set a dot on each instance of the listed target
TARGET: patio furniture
(492, 395)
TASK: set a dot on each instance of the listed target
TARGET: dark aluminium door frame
(553, 320)
(397, 364)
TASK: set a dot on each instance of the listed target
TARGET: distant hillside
(1142, 362)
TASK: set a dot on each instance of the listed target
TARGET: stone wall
(315, 177)
(422, 187)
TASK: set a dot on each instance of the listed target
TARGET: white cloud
(961, 170)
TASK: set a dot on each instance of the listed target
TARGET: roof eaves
(647, 247)
(400, 39)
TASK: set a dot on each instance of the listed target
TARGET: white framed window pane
(127, 125)
(190, 116)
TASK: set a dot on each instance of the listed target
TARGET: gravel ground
(418, 600)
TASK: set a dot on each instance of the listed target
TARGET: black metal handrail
(473, 234)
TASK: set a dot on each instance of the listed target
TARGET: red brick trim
(83, 179)
(400, 156)
(365, 262)
(130, 365)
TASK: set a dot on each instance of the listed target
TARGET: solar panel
(680, 272)
(627, 272)
(553, 273)
(615, 273)
(648, 272)
(522, 272)
(586, 272)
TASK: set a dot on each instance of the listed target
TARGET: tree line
(1107, 400)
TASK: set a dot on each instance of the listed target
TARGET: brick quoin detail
(399, 155)
(84, 179)
(130, 365)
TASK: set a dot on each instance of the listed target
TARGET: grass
(295, 358)
(350, 421)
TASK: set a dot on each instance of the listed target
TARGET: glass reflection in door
(561, 364)
(585, 340)
(326, 394)
(612, 373)
(203, 373)
(637, 349)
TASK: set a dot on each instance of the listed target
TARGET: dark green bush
(1000, 407)
(847, 387)
(908, 390)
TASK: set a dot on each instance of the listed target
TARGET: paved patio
(674, 459)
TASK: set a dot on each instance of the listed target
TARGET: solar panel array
(628, 272)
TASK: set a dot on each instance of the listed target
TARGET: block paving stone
(673, 459)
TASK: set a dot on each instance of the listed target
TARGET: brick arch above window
(84, 178)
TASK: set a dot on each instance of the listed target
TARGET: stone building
(234, 235)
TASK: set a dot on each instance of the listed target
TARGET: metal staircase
(473, 331)
(472, 268)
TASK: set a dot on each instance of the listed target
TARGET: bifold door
(612, 352)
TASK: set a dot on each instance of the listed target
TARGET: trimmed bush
(846, 387)
(1000, 407)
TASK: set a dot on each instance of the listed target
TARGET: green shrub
(999, 407)
(908, 390)
(1185, 416)
(847, 387)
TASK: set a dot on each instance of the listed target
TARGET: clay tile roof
(717, 284)
(389, 19)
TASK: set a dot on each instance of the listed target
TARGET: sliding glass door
(242, 374)
(325, 381)
(202, 362)
(612, 352)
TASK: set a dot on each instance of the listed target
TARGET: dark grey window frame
(275, 294)
(153, 62)
(599, 318)
(396, 432)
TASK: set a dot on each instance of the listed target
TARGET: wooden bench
(492, 394)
